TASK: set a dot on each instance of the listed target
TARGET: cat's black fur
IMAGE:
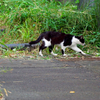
(49, 39)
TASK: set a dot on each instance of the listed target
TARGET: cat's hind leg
(41, 49)
(63, 53)
(63, 50)
(50, 50)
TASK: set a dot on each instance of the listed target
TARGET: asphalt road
(50, 79)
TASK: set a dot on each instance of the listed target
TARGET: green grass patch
(24, 20)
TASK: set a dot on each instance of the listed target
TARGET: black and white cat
(49, 39)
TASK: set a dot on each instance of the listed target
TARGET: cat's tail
(37, 41)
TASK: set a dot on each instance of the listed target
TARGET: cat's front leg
(50, 50)
(40, 53)
(53, 53)
(41, 49)
(64, 55)
(75, 48)
(63, 51)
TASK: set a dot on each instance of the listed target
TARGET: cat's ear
(81, 37)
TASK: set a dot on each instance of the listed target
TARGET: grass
(24, 20)
(5, 70)
(1, 95)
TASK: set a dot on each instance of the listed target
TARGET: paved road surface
(50, 79)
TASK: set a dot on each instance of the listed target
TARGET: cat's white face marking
(47, 43)
(76, 41)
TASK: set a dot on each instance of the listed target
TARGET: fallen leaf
(66, 65)
(9, 92)
(3, 81)
(83, 58)
(6, 92)
(11, 69)
(72, 91)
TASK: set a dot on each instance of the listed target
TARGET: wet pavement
(50, 79)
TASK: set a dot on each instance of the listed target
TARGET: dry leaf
(6, 92)
(11, 69)
(72, 91)
(83, 58)
(66, 65)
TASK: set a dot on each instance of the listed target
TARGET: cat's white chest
(47, 43)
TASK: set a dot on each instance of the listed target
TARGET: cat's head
(81, 40)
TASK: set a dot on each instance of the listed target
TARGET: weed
(24, 20)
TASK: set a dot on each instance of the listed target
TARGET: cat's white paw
(40, 53)
(53, 53)
(64, 55)
(83, 53)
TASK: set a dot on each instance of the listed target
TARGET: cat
(50, 38)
